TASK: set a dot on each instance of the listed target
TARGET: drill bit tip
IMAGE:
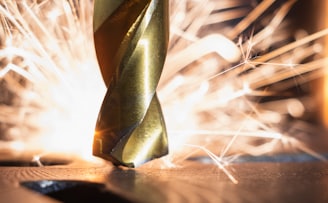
(144, 142)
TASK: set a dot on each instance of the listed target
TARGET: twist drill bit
(131, 38)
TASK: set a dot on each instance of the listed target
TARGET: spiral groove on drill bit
(131, 42)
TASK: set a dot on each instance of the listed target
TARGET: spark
(219, 64)
(37, 160)
(60, 84)
(225, 109)
(218, 161)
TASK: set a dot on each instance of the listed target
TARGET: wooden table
(191, 181)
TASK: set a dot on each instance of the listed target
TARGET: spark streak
(216, 69)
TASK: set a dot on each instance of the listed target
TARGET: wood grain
(192, 181)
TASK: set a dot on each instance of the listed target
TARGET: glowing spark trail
(218, 67)
(54, 88)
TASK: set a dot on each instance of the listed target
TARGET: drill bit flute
(131, 38)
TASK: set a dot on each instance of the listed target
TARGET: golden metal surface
(131, 46)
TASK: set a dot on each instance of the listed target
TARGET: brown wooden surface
(190, 182)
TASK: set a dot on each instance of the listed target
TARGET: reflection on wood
(191, 182)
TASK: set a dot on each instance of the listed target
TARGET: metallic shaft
(131, 39)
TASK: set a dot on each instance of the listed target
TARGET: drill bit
(131, 38)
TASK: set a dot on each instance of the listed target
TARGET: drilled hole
(74, 191)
